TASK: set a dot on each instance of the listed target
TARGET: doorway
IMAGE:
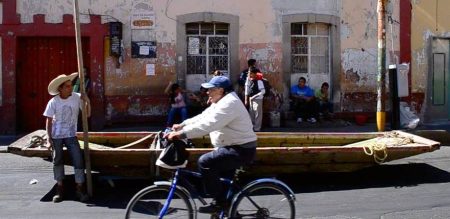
(438, 98)
(39, 60)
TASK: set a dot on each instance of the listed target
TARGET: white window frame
(208, 70)
(309, 55)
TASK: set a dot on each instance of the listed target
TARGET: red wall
(11, 29)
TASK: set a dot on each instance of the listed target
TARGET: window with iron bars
(207, 48)
(310, 48)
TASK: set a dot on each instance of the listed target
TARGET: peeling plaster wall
(359, 52)
(360, 70)
(128, 91)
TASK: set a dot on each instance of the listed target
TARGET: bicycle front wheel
(149, 202)
(263, 200)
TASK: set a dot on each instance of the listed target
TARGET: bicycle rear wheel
(149, 202)
(263, 200)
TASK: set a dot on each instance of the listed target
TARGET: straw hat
(55, 83)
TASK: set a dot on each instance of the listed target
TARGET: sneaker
(312, 120)
(59, 194)
(299, 120)
(212, 208)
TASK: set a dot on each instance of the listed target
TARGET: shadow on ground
(402, 175)
(104, 194)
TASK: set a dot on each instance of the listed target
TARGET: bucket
(360, 119)
(275, 118)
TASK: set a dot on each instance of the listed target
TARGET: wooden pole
(87, 156)
(381, 77)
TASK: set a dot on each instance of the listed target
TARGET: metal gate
(207, 50)
(39, 60)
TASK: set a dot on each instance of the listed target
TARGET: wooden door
(39, 60)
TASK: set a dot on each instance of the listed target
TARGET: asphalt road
(416, 187)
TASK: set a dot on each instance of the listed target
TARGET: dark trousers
(222, 162)
(326, 107)
(306, 109)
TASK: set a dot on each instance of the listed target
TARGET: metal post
(395, 100)
(87, 156)
(381, 77)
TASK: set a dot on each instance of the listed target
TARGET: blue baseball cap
(218, 81)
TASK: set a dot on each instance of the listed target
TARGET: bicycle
(175, 199)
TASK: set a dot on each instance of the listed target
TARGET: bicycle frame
(192, 191)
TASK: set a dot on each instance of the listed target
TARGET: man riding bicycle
(231, 132)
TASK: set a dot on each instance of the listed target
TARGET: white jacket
(226, 121)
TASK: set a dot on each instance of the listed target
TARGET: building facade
(134, 48)
(430, 44)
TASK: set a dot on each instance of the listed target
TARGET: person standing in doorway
(254, 96)
(61, 124)
(243, 77)
(76, 88)
(76, 82)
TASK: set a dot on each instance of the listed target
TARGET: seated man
(304, 102)
(325, 106)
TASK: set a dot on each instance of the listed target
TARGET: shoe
(212, 208)
(299, 120)
(312, 120)
(59, 194)
(81, 194)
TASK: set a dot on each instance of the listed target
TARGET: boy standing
(61, 124)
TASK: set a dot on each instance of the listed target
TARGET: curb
(442, 136)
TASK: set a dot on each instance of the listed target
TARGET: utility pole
(381, 76)
(87, 156)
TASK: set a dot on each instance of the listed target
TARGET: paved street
(417, 187)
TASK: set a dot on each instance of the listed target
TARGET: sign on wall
(115, 34)
(143, 49)
(142, 20)
(150, 69)
(194, 46)
(142, 16)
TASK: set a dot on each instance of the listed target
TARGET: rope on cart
(36, 141)
(378, 149)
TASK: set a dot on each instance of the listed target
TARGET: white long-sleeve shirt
(248, 88)
(226, 121)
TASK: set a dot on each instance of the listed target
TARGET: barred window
(207, 48)
(310, 48)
